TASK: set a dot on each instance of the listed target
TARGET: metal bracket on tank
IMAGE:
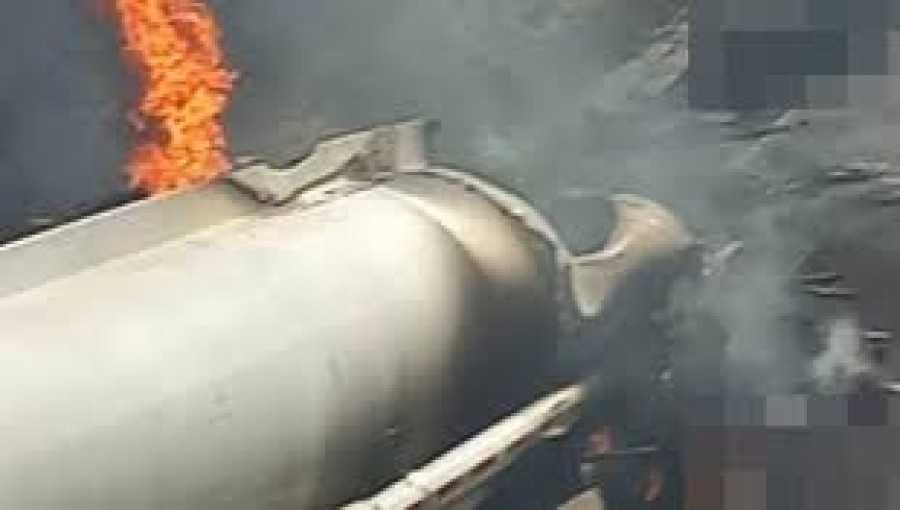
(362, 157)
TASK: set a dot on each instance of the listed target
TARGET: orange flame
(174, 46)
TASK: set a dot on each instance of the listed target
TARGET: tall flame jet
(186, 84)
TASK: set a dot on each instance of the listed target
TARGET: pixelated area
(792, 54)
(793, 452)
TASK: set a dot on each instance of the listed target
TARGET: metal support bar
(457, 474)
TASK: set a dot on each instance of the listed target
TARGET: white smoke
(566, 102)
(843, 361)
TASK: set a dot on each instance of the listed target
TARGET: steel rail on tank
(457, 476)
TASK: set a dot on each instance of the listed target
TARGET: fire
(186, 83)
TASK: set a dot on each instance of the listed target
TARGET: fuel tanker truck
(357, 327)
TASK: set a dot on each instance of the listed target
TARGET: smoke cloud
(843, 362)
(566, 101)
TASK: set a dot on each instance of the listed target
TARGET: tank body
(205, 352)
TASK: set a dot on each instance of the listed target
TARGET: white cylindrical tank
(205, 351)
(279, 359)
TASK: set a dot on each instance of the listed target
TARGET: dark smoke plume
(63, 134)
